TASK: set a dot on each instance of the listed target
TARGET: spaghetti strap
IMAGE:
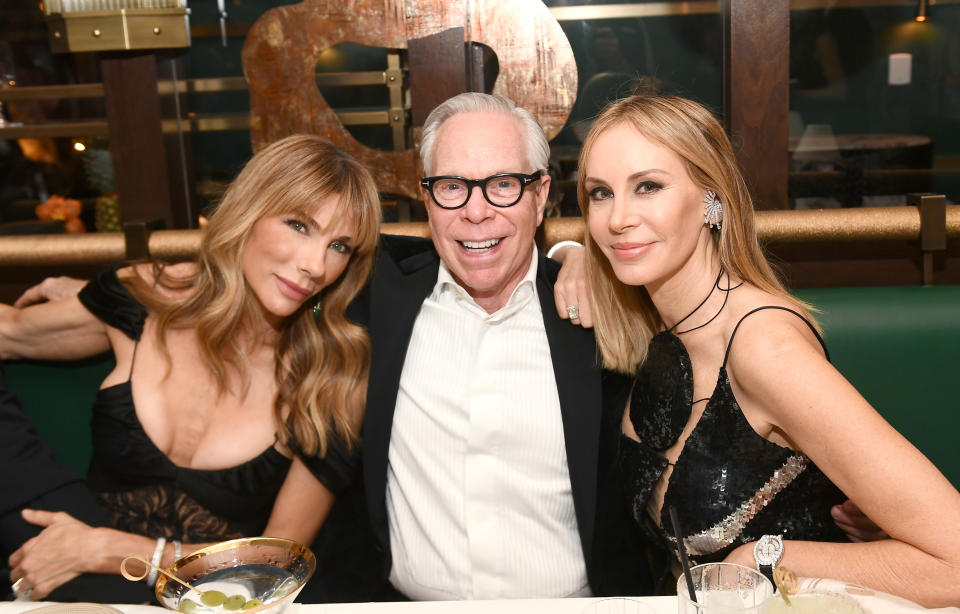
(726, 355)
(133, 359)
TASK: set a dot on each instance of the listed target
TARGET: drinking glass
(814, 603)
(724, 588)
(262, 575)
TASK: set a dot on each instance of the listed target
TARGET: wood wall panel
(756, 93)
(136, 140)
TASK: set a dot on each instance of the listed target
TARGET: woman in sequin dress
(737, 419)
(233, 372)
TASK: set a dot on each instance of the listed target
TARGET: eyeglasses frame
(427, 184)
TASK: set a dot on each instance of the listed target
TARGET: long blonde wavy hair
(625, 318)
(321, 361)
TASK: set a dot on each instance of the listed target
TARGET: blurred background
(841, 104)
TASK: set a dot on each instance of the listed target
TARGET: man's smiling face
(487, 249)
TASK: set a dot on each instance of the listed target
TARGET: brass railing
(868, 223)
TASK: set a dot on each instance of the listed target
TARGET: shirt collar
(526, 289)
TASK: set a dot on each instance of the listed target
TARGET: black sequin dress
(729, 485)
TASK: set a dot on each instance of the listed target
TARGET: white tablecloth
(873, 602)
(659, 605)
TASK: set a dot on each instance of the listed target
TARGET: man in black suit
(488, 446)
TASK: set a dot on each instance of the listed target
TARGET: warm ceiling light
(79, 146)
(923, 10)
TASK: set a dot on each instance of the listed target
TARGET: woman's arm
(301, 506)
(786, 387)
(67, 547)
(58, 330)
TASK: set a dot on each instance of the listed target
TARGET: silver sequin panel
(727, 530)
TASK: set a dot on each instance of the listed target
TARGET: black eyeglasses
(501, 190)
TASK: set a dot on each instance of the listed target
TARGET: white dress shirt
(478, 490)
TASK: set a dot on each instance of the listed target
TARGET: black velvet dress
(144, 492)
(729, 485)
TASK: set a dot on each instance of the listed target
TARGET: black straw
(684, 561)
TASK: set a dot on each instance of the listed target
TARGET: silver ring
(19, 594)
(573, 312)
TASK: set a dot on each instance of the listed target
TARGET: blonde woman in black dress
(738, 419)
(228, 371)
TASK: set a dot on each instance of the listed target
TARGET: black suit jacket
(591, 403)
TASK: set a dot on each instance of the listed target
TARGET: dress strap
(133, 359)
(752, 311)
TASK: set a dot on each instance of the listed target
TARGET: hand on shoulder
(169, 280)
(50, 289)
(570, 292)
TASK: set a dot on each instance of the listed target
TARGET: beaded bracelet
(177, 550)
(157, 556)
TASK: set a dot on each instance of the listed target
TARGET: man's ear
(543, 192)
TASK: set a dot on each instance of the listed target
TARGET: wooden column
(136, 136)
(756, 94)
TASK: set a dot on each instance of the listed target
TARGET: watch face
(768, 550)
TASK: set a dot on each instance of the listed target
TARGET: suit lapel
(573, 351)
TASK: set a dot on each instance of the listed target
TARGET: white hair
(538, 151)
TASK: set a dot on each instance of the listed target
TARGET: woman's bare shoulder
(764, 326)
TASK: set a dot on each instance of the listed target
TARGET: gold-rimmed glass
(268, 570)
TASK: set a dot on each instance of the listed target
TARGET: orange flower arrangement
(66, 209)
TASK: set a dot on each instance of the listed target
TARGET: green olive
(253, 603)
(234, 602)
(187, 606)
(212, 598)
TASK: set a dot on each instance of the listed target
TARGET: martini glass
(249, 575)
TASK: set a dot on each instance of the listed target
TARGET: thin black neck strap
(716, 282)
(752, 311)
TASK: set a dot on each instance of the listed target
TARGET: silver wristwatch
(767, 552)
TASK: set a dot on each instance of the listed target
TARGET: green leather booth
(900, 346)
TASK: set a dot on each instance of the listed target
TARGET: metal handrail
(864, 224)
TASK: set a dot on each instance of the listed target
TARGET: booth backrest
(900, 346)
(58, 397)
